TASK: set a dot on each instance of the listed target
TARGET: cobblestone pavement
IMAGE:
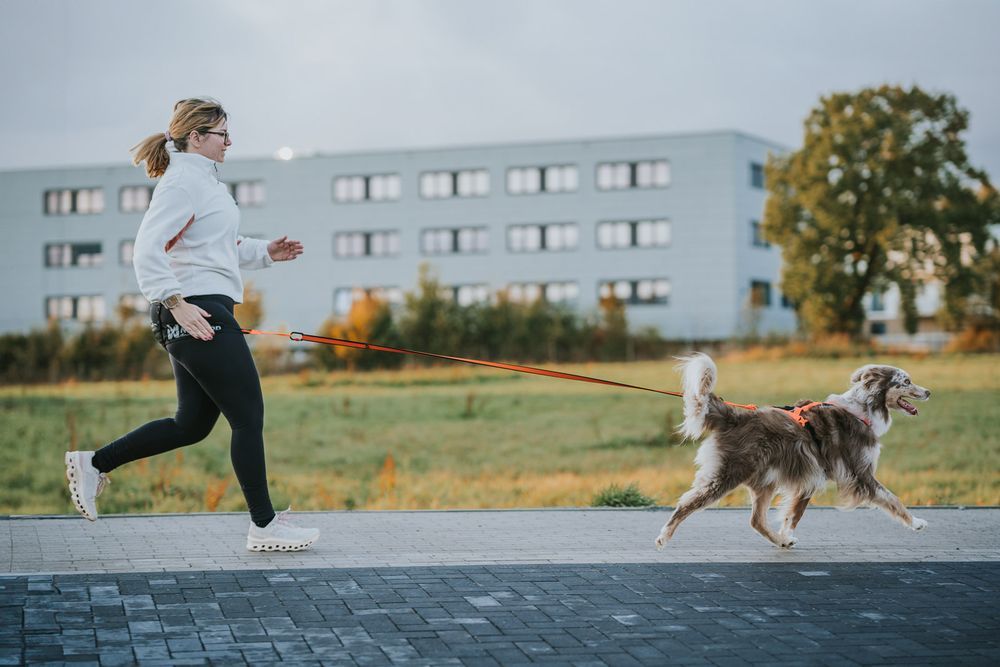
(651, 614)
(580, 587)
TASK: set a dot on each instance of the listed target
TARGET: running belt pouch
(155, 323)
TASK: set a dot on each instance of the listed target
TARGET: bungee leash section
(298, 336)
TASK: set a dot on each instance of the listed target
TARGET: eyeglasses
(224, 135)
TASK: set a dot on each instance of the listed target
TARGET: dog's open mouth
(906, 406)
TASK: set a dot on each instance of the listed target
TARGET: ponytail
(153, 151)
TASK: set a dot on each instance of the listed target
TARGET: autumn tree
(250, 313)
(881, 193)
(369, 320)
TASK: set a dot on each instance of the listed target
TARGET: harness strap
(796, 413)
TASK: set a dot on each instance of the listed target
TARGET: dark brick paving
(650, 614)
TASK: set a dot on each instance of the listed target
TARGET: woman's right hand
(192, 318)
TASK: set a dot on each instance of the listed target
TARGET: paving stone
(564, 587)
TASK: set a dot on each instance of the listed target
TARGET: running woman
(187, 260)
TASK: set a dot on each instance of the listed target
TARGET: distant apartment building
(886, 322)
(668, 224)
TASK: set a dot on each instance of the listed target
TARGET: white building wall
(709, 202)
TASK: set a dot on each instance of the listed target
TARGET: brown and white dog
(768, 451)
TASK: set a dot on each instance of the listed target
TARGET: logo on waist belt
(176, 331)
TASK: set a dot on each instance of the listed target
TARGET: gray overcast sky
(81, 82)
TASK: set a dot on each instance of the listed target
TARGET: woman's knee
(195, 429)
(246, 415)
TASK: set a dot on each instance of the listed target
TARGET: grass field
(461, 437)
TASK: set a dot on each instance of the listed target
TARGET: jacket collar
(195, 161)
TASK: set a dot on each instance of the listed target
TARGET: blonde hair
(191, 115)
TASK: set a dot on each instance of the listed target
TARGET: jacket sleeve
(169, 213)
(253, 253)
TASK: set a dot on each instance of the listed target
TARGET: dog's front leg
(894, 507)
(793, 513)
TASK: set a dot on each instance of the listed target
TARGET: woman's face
(212, 144)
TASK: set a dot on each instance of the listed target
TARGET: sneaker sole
(73, 475)
(295, 546)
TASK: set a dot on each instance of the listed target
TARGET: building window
(344, 297)
(532, 180)
(760, 293)
(73, 254)
(538, 238)
(467, 295)
(786, 302)
(633, 234)
(877, 328)
(448, 184)
(133, 304)
(84, 201)
(636, 292)
(134, 198)
(629, 175)
(552, 292)
(455, 240)
(374, 187)
(247, 193)
(88, 308)
(126, 249)
(757, 175)
(757, 235)
(366, 244)
(878, 302)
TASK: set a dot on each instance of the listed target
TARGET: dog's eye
(906, 381)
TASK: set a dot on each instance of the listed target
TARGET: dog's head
(888, 388)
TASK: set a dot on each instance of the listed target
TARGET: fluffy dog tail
(698, 375)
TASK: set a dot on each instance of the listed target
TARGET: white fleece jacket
(187, 242)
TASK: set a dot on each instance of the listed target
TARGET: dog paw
(660, 542)
(787, 541)
(917, 524)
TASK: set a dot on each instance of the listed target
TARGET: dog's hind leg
(694, 499)
(762, 498)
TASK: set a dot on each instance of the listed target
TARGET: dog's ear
(858, 374)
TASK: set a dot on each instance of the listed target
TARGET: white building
(668, 223)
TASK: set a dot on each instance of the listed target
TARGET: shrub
(616, 496)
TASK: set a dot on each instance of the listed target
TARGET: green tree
(881, 193)
(431, 321)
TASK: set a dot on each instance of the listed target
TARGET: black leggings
(212, 377)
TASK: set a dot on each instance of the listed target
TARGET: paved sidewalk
(399, 539)
(573, 587)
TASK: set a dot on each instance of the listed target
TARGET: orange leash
(341, 342)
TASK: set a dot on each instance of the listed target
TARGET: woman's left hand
(284, 250)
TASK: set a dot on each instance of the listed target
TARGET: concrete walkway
(151, 543)
(579, 587)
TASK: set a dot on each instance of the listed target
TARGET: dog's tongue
(906, 406)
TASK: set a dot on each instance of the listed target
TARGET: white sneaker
(85, 482)
(280, 535)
